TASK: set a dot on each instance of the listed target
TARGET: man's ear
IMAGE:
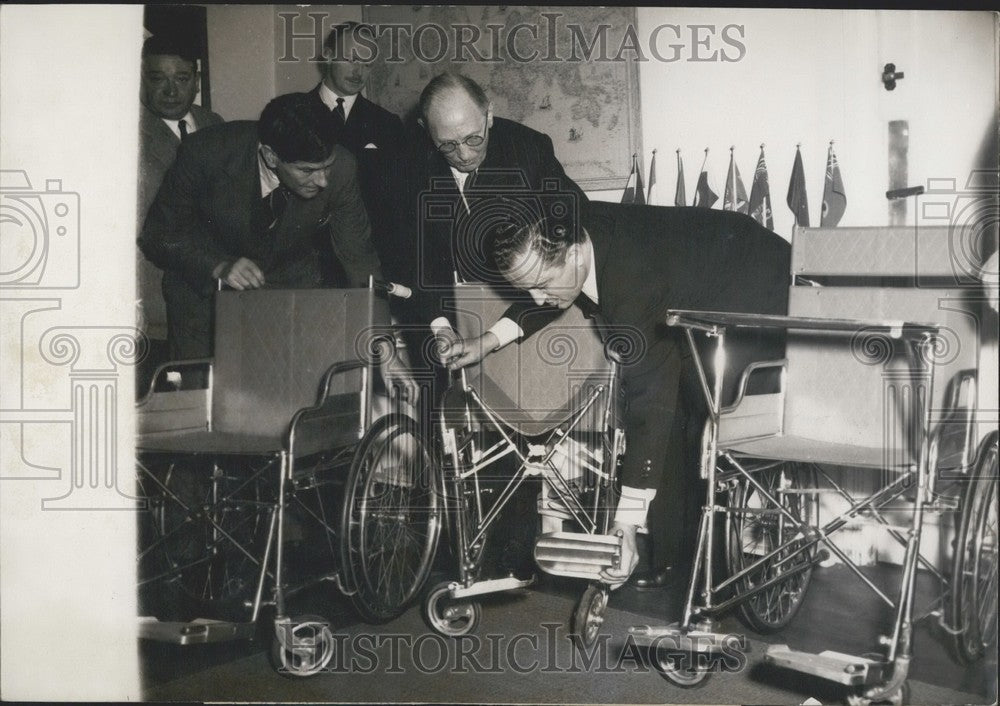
(270, 158)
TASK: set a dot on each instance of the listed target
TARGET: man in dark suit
(372, 134)
(627, 268)
(246, 203)
(169, 84)
(465, 176)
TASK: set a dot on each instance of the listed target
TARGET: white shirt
(330, 97)
(460, 178)
(268, 179)
(175, 126)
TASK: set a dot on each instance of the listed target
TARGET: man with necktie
(372, 134)
(247, 203)
(170, 82)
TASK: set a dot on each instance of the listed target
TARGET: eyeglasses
(450, 146)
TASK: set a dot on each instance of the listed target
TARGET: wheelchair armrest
(953, 436)
(339, 368)
(171, 366)
(745, 380)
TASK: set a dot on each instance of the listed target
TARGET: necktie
(277, 201)
(183, 125)
(338, 113)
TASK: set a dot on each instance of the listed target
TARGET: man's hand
(630, 556)
(395, 369)
(240, 274)
(461, 352)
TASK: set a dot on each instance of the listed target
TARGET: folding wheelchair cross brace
(858, 394)
(276, 477)
(551, 405)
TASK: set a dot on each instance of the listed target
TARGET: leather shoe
(650, 580)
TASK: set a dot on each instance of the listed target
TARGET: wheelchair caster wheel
(450, 617)
(679, 668)
(589, 614)
(302, 646)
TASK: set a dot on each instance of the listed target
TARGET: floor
(522, 654)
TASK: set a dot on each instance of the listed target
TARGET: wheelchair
(858, 432)
(552, 405)
(277, 475)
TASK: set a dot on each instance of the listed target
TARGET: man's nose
(171, 88)
(465, 153)
(538, 296)
(320, 178)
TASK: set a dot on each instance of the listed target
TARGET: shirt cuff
(633, 505)
(439, 324)
(506, 331)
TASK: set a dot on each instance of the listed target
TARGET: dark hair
(163, 45)
(299, 128)
(549, 236)
(443, 83)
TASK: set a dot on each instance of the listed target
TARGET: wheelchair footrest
(577, 554)
(849, 670)
(489, 586)
(195, 632)
(673, 637)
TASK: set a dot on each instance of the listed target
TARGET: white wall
(811, 76)
(241, 53)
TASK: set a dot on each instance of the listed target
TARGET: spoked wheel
(391, 519)
(974, 567)
(756, 529)
(302, 646)
(448, 616)
(679, 668)
(213, 524)
(589, 614)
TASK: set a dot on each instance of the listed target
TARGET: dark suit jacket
(157, 150)
(209, 210)
(375, 137)
(650, 259)
(440, 237)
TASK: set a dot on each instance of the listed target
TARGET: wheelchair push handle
(393, 289)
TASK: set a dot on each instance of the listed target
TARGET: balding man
(467, 175)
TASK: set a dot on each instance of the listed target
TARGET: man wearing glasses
(473, 171)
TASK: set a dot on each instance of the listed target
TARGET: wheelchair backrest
(273, 346)
(536, 383)
(858, 389)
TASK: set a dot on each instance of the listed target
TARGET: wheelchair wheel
(302, 646)
(679, 668)
(589, 614)
(450, 617)
(390, 520)
(756, 530)
(974, 567)
(213, 523)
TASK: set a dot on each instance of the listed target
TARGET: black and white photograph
(499, 354)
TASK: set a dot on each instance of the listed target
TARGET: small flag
(796, 199)
(652, 179)
(735, 195)
(834, 198)
(634, 194)
(760, 195)
(680, 196)
(703, 194)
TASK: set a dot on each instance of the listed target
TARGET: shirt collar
(268, 179)
(175, 126)
(329, 98)
(590, 284)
